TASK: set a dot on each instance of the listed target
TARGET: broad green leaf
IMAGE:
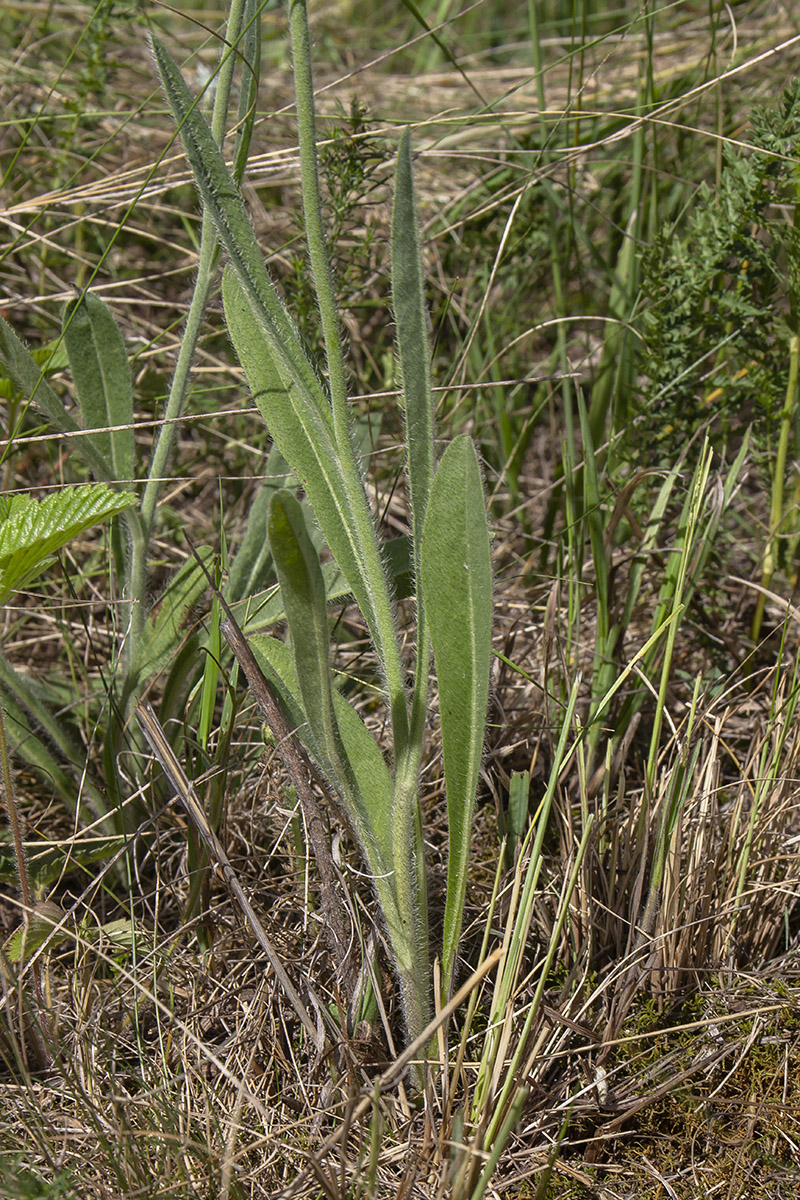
(413, 348)
(102, 378)
(303, 592)
(370, 806)
(456, 578)
(265, 609)
(166, 626)
(286, 386)
(32, 531)
(304, 437)
(42, 924)
(28, 378)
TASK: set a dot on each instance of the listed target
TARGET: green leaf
(48, 861)
(27, 717)
(28, 378)
(304, 437)
(43, 923)
(518, 794)
(456, 578)
(32, 531)
(224, 203)
(303, 592)
(251, 564)
(265, 609)
(288, 390)
(102, 379)
(371, 801)
(413, 348)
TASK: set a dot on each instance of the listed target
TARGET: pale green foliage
(311, 423)
(102, 379)
(456, 575)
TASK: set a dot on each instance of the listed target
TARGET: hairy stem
(206, 270)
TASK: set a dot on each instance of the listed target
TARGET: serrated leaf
(456, 576)
(102, 378)
(32, 531)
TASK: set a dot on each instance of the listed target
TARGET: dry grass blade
(157, 740)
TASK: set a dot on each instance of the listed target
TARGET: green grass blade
(27, 711)
(456, 578)
(166, 628)
(102, 378)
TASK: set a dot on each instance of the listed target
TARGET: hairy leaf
(102, 379)
(412, 339)
(457, 585)
(29, 379)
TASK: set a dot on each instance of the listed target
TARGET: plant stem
(386, 635)
(206, 271)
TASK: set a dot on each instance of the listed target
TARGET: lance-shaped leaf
(27, 377)
(304, 436)
(457, 585)
(288, 390)
(303, 592)
(369, 808)
(31, 530)
(224, 203)
(102, 379)
(263, 610)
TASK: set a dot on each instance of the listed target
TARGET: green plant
(311, 423)
(724, 309)
(103, 441)
(31, 533)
